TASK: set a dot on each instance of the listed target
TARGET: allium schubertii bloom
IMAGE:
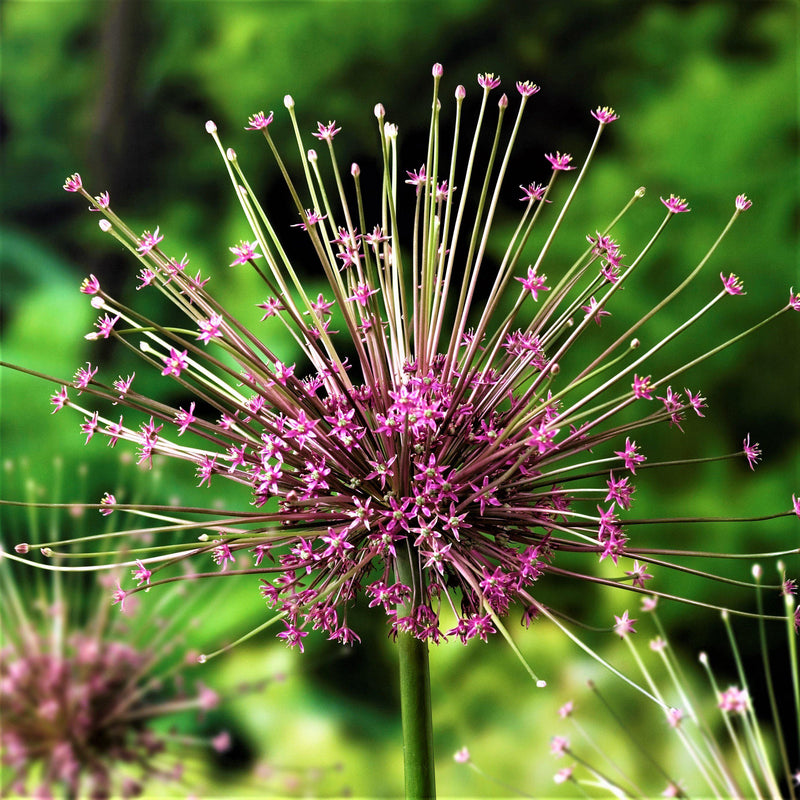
(440, 444)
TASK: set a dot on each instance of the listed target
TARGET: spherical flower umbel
(437, 454)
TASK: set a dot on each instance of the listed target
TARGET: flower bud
(211, 127)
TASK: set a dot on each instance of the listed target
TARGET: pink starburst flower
(259, 121)
(533, 192)
(752, 452)
(675, 204)
(604, 114)
(244, 252)
(149, 240)
(73, 183)
(326, 132)
(488, 80)
(731, 284)
(624, 625)
(742, 203)
(559, 161)
(440, 449)
(527, 88)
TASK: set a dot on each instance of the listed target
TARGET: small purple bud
(437, 70)
(503, 102)
(21, 548)
(461, 92)
(355, 170)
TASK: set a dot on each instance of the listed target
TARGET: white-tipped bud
(47, 552)
(757, 571)
(98, 302)
(390, 130)
(355, 170)
(105, 225)
(202, 658)
(555, 369)
(211, 126)
(780, 566)
(312, 156)
(640, 192)
(90, 337)
(242, 191)
(288, 101)
(203, 537)
(145, 347)
(724, 613)
(231, 154)
(540, 684)
(379, 111)
(438, 70)
(703, 658)
(21, 548)
(461, 92)
(635, 344)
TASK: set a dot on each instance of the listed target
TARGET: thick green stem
(415, 696)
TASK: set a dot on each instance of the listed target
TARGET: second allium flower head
(448, 464)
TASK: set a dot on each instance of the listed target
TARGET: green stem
(415, 695)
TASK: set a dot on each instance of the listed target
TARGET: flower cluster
(446, 442)
(85, 695)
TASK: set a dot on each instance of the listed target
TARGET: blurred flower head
(84, 694)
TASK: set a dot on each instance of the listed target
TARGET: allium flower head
(441, 451)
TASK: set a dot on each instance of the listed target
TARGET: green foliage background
(120, 91)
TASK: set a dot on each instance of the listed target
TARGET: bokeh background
(120, 91)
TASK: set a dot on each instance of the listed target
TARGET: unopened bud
(22, 548)
(202, 658)
(97, 302)
(634, 344)
(312, 156)
(231, 154)
(105, 225)
(757, 571)
(355, 170)
(502, 103)
(461, 92)
(46, 552)
(288, 101)
(437, 71)
(211, 127)
(379, 111)
(640, 192)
